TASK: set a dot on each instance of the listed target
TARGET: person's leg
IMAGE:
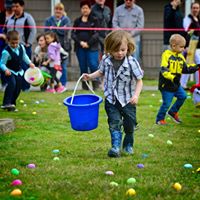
(25, 85)
(137, 53)
(82, 60)
(63, 78)
(181, 97)
(167, 99)
(115, 123)
(18, 81)
(93, 62)
(129, 121)
(197, 77)
(9, 91)
(184, 80)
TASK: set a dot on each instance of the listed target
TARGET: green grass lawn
(80, 172)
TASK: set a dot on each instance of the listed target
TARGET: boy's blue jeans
(87, 59)
(167, 98)
(13, 89)
(119, 116)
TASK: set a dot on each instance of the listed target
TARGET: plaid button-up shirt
(120, 85)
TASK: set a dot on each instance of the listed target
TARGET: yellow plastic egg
(130, 192)
(34, 113)
(177, 186)
(16, 192)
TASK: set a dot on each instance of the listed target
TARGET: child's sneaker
(8, 107)
(51, 90)
(174, 116)
(161, 122)
(61, 89)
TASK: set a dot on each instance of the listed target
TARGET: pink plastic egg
(16, 182)
(31, 165)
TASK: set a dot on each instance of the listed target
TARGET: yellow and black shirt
(173, 65)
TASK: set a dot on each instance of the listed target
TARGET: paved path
(71, 86)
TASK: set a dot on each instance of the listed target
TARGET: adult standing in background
(86, 42)
(190, 22)
(104, 16)
(173, 18)
(130, 15)
(27, 34)
(59, 19)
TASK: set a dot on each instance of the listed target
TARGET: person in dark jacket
(104, 16)
(86, 42)
(173, 64)
(173, 18)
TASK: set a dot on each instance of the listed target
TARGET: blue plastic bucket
(83, 111)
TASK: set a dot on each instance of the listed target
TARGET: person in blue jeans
(173, 64)
(86, 42)
(11, 64)
(122, 87)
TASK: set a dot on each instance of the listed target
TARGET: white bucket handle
(76, 86)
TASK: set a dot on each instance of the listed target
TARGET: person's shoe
(161, 122)
(61, 89)
(114, 152)
(8, 107)
(174, 116)
(128, 150)
(51, 90)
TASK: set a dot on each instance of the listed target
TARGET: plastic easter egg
(151, 135)
(37, 102)
(31, 166)
(153, 95)
(177, 186)
(25, 105)
(169, 142)
(56, 151)
(199, 131)
(21, 101)
(188, 166)
(16, 192)
(16, 182)
(198, 170)
(130, 192)
(145, 155)
(140, 166)
(114, 184)
(56, 158)
(15, 171)
(131, 181)
(34, 113)
(110, 173)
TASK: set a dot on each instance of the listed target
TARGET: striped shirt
(120, 85)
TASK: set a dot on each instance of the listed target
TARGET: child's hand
(7, 72)
(86, 77)
(134, 100)
(31, 65)
(45, 63)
